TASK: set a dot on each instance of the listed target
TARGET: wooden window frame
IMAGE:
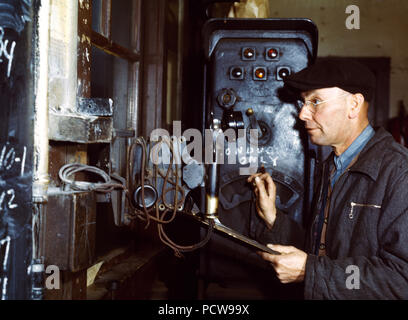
(105, 43)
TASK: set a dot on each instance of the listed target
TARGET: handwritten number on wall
(12, 195)
(7, 199)
(4, 257)
(8, 160)
(6, 51)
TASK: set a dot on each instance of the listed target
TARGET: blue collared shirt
(341, 162)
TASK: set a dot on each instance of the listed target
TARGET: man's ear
(357, 102)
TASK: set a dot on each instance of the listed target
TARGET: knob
(227, 98)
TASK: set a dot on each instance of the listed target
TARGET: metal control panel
(245, 72)
(247, 60)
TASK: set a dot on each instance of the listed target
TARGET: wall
(20, 80)
(383, 33)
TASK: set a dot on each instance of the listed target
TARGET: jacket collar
(368, 161)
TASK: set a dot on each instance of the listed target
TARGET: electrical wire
(171, 178)
(177, 189)
(72, 168)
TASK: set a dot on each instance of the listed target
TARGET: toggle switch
(233, 120)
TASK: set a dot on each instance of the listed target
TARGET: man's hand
(265, 191)
(290, 265)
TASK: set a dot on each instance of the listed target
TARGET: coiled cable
(177, 189)
(108, 185)
(67, 170)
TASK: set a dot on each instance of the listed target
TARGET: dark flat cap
(346, 74)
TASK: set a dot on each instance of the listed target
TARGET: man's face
(326, 123)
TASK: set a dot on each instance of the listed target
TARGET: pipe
(40, 174)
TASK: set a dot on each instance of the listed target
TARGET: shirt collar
(341, 162)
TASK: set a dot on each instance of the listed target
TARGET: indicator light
(237, 73)
(248, 54)
(260, 73)
(272, 53)
(282, 72)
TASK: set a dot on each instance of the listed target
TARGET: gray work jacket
(367, 233)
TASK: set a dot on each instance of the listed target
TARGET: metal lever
(253, 121)
(212, 183)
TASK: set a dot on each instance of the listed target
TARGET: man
(357, 243)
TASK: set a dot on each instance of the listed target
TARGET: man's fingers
(282, 249)
(267, 257)
(263, 176)
(258, 174)
(252, 178)
(271, 185)
(261, 187)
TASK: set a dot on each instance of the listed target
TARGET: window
(115, 69)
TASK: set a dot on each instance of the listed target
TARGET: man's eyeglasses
(312, 105)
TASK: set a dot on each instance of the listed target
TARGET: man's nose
(305, 114)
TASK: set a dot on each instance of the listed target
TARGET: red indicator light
(272, 53)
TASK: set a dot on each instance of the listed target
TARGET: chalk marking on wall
(3, 51)
(14, 14)
(3, 151)
(2, 195)
(9, 163)
(7, 160)
(6, 241)
(10, 203)
(23, 161)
